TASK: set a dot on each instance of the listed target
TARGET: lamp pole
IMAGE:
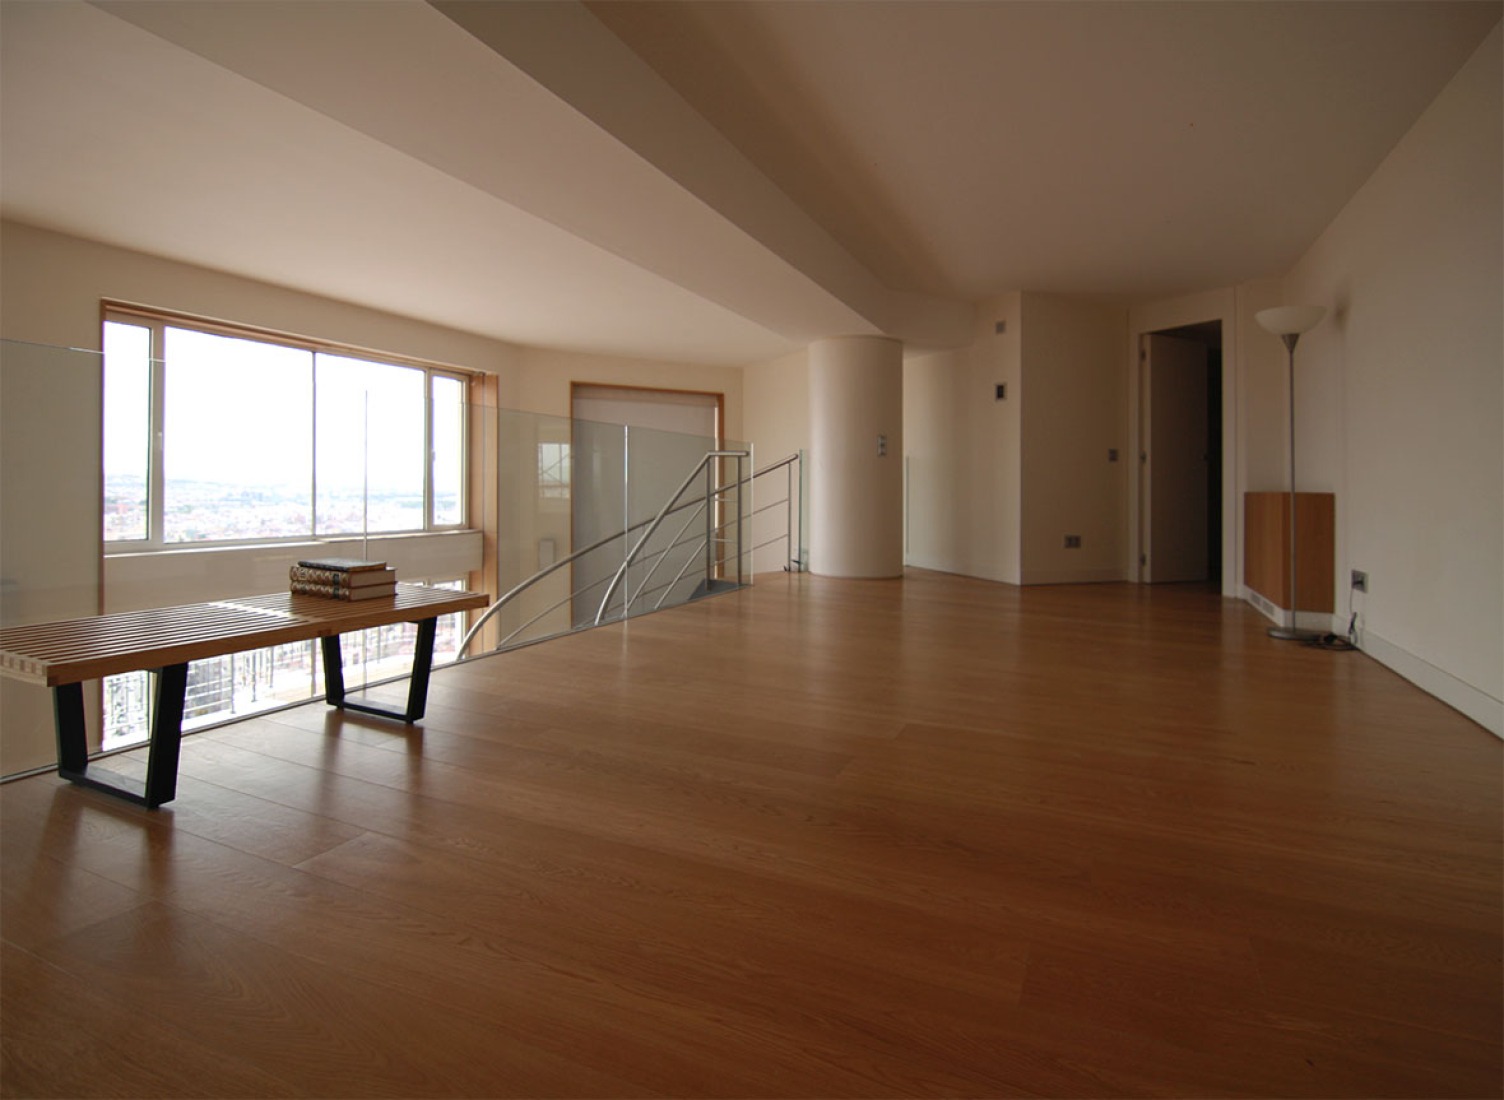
(1288, 322)
(1294, 632)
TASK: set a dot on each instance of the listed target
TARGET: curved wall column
(856, 457)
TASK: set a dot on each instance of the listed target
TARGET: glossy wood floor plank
(324, 1031)
(820, 838)
(64, 1037)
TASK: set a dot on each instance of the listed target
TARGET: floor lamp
(1288, 322)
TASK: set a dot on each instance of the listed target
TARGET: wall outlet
(1360, 581)
(1000, 391)
(1073, 542)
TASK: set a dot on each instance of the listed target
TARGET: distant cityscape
(207, 511)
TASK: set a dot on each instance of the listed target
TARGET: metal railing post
(741, 575)
(788, 521)
(626, 519)
(710, 526)
(799, 549)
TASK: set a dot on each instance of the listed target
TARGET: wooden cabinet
(1266, 548)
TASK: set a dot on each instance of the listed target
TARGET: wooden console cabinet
(1266, 548)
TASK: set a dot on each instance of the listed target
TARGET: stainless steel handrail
(696, 502)
(674, 544)
(700, 467)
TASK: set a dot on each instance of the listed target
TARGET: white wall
(53, 283)
(1260, 376)
(964, 448)
(544, 377)
(1400, 393)
(996, 485)
(856, 457)
(776, 421)
(1074, 413)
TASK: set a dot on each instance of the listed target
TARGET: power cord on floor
(1337, 642)
(1331, 641)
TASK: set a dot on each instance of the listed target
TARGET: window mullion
(156, 489)
(428, 520)
(313, 466)
(464, 451)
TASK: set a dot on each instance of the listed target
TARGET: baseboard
(1275, 614)
(1478, 705)
(1105, 575)
(1481, 707)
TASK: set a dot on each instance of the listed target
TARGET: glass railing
(83, 507)
(577, 545)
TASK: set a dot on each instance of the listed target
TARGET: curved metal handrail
(673, 544)
(549, 570)
(631, 557)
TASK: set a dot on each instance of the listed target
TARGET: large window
(211, 436)
(219, 437)
(127, 436)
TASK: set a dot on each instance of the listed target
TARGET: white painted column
(856, 457)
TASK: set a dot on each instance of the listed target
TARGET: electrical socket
(1073, 542)
(1360, 581)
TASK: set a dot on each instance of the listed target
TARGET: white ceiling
(713, 182)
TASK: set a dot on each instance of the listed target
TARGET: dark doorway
(1209, 335)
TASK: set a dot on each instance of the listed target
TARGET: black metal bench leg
(417, 689)
(334, 671)
(162, 755)
(166, 735)
(72, 740)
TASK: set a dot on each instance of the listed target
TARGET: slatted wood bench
(62, 655)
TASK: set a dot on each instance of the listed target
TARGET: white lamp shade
(1290, 320)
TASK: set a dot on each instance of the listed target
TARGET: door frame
(1217, 307)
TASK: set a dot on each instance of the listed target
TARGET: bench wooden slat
(72, 650)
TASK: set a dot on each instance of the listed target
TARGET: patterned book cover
(306, 574)
(342, 565)
(338, 592)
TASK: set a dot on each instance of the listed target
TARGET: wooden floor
(821, 838)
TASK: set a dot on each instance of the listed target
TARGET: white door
(1173, 487)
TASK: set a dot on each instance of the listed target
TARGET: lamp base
(1295, 634)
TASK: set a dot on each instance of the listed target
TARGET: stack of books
(342, 579)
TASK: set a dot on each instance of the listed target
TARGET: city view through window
(262, 441)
